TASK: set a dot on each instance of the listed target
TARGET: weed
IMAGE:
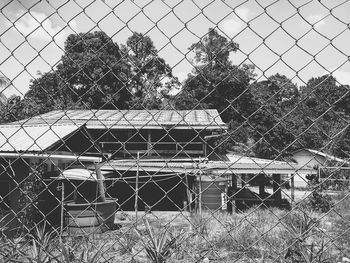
(12, 250)
(128, 241)
(40, 250)
(240, 237)
(199, 225)
(66, 253)
(159, 246)
(319, 201)
(306, 242)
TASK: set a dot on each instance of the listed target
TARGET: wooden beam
(200, 193)
(261, 180)
(149, 142)
(137, 188)
(233, 192)
(292, 188)
(277, 193)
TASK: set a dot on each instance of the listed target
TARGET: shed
(316, 159)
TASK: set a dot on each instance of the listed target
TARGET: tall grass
(257, 235)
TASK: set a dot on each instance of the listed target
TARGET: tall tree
(92, 67)
(95, 73)
(215, 82)
(48, 92)
(149, 72)
(213, 49)
(325, 114)
(272, 126)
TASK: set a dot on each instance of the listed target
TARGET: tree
(272, 123)
(95, 73)
(325, 115)
(213, 49)
(10, 108)
(93, 69)
(148, 73)
(48, 92)
(4, 82)
(92, 74)
(215, 82)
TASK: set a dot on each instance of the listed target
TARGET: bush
(319, 202)
(30, 189)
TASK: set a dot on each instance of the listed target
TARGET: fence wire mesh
(174, 131)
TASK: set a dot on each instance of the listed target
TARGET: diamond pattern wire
(174, 131)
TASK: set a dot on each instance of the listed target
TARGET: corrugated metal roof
(253, 160)
(211, 167)
(150, 166)
(32, 138)
(256, 168)
(127, 119)
(325, 155)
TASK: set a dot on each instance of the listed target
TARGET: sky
(297, 38)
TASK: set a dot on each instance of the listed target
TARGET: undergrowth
(257, 235)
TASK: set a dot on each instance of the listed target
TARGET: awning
(32, 138)
(226, 168)
(218, 168)
(150, 166)
(70, 157)
(253, 165)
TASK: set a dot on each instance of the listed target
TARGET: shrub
(30, 190)
(319, 202)
(306, 242)
(159, 245)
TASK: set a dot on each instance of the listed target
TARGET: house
(59, 140)
(316, 159)
(155, 159)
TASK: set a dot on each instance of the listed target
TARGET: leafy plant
(129, 240)
(307, 243)
(94, 254)
(66, 254)
(30, 190)
(200, 225)
(159, 245)
(40, 246)
(320, 202)
(11, 250)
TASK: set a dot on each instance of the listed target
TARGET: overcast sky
(272, 35)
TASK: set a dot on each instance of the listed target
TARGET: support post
(149, 142)
(101, 188)
(277, 193)
(232, 194)
(292, 188)
(261, 184)
(62, 208)
(189, 193)
(243, 180)
(200, 193)
(137, 186)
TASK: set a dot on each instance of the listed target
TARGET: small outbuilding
(315, 159)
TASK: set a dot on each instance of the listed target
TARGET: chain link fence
(174, 131)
